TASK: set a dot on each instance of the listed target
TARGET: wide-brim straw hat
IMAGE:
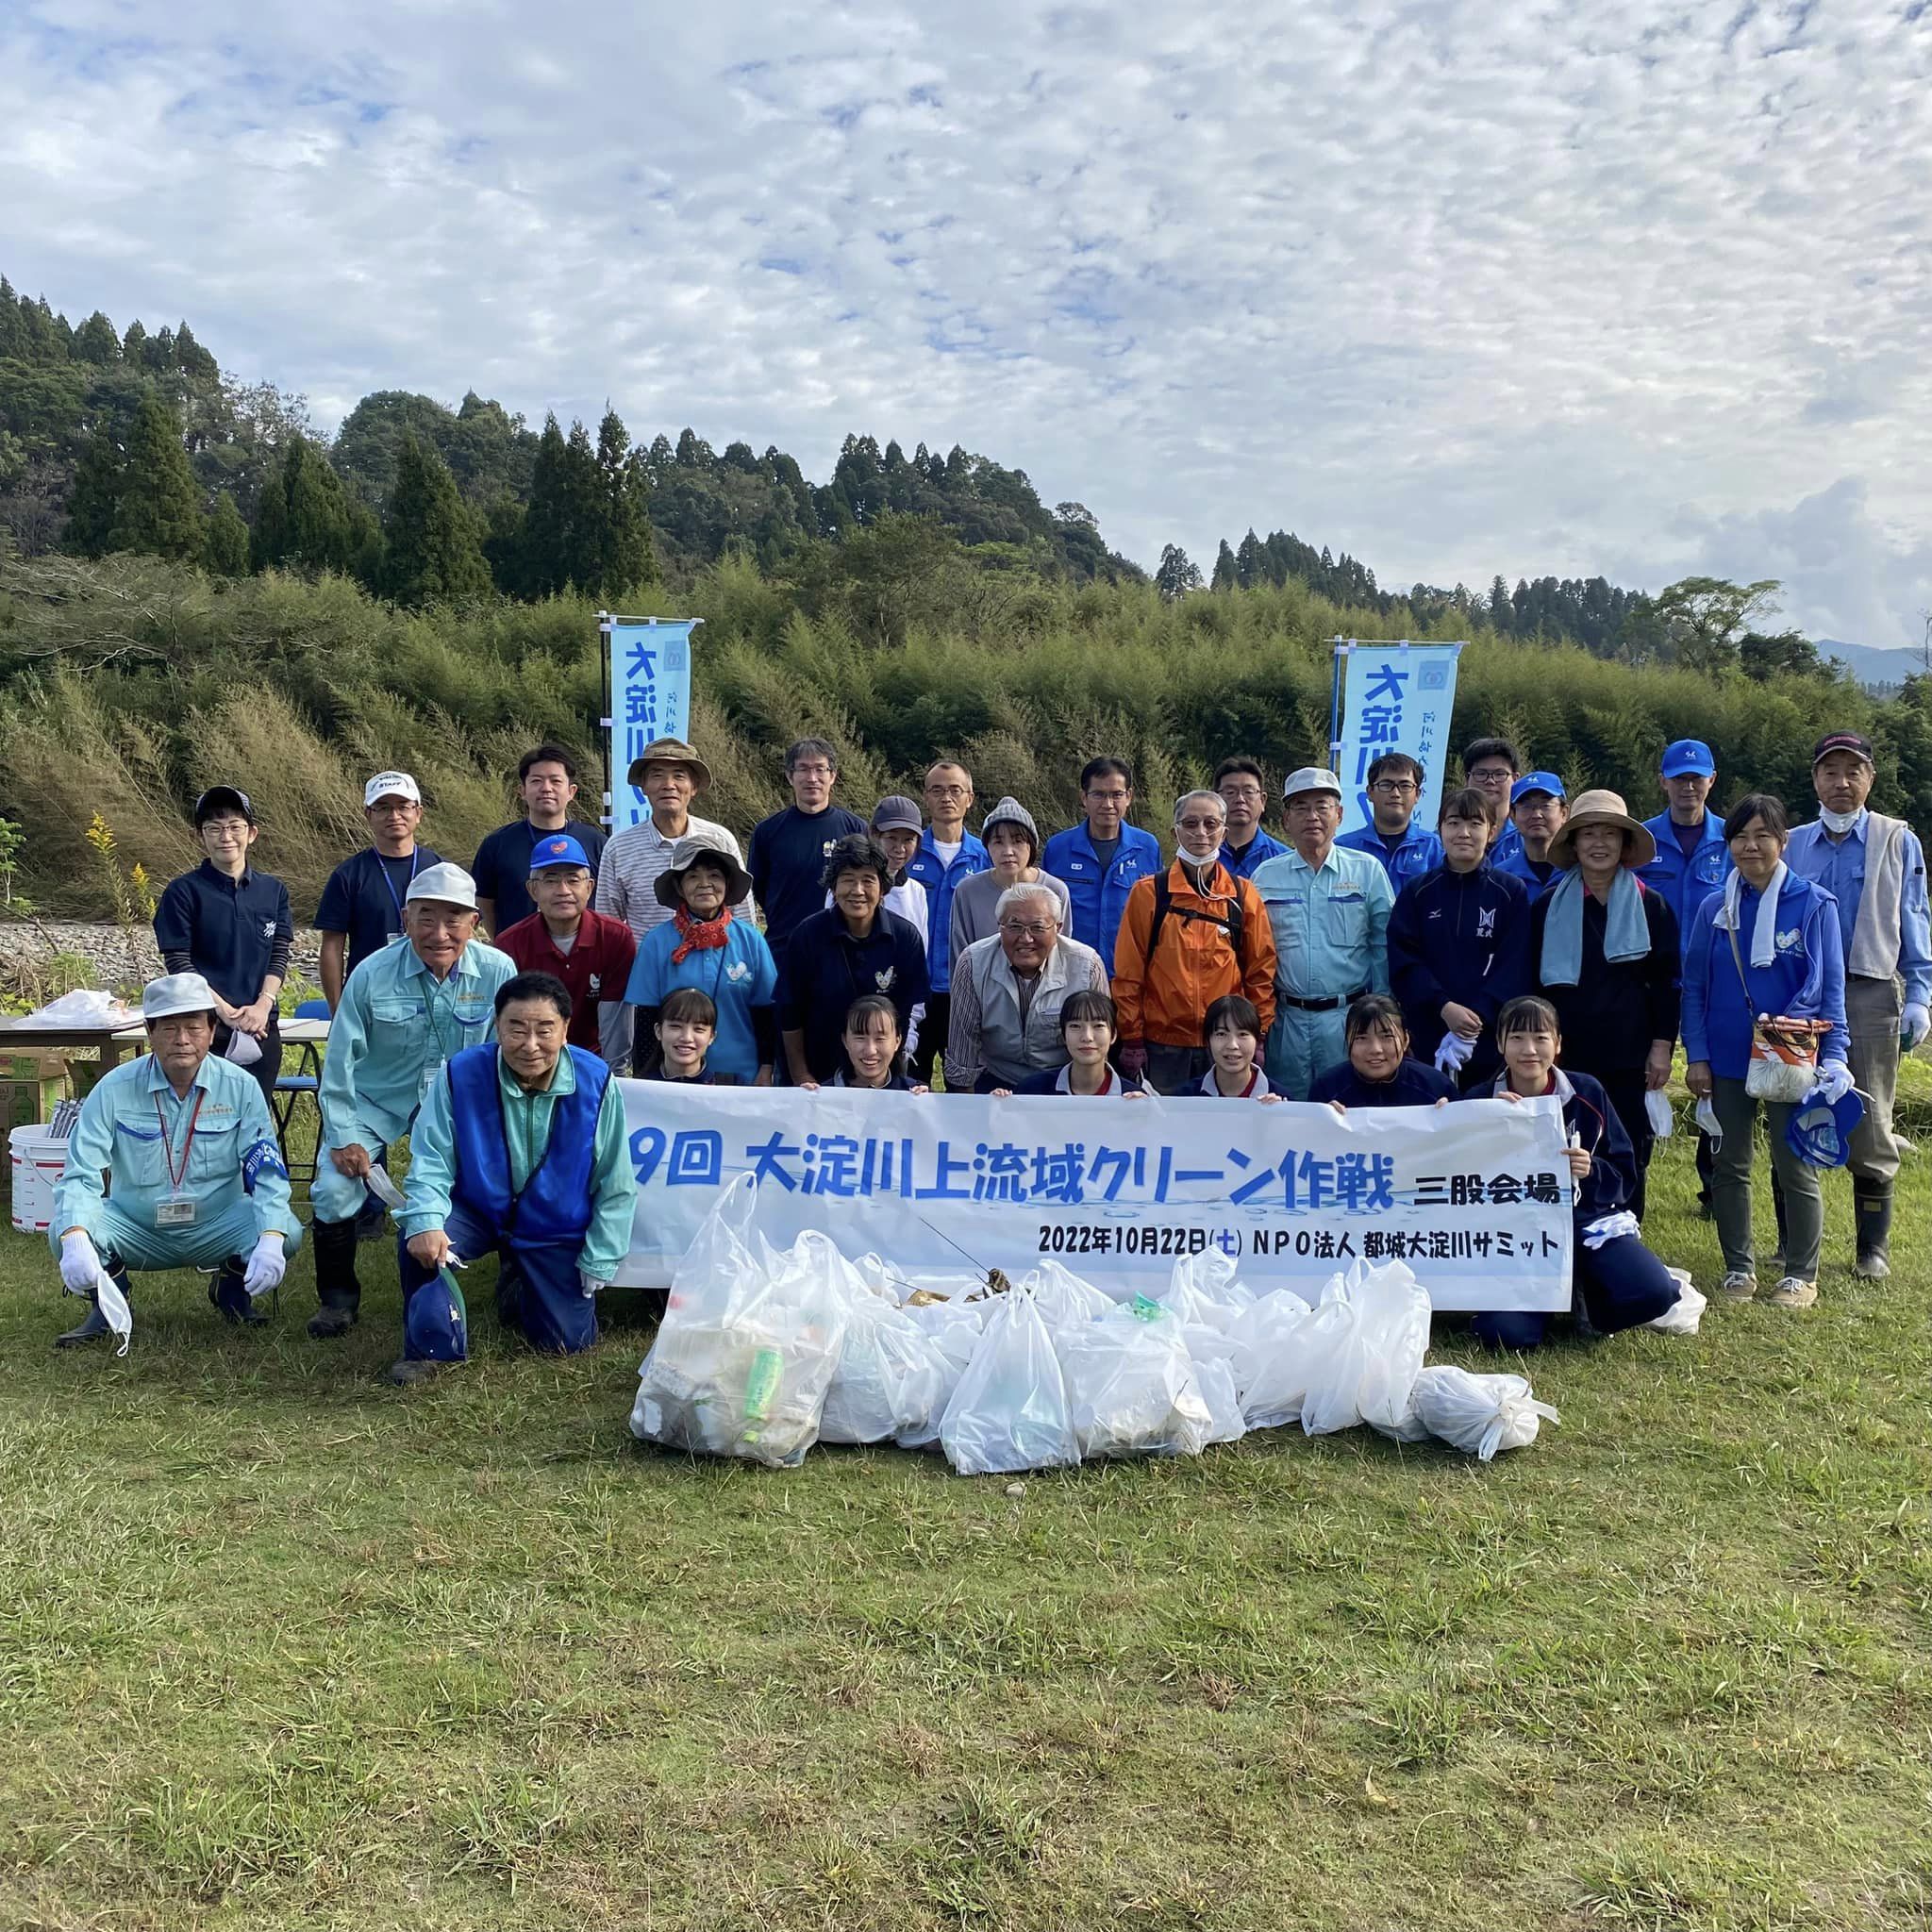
(709, 846)
(1602, 808)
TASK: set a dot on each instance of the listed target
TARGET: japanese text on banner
(650, 697)
(1396, 697)
(1475, 1198)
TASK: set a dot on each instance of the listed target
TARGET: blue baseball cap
(559, 848)
(1820, 1131)
(1686, 756)
(1537, 781)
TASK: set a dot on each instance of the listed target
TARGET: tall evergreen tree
(1178, 574)
(225, 544)
(1226, 575)
(96, 496)
(627, 561)
(432, 554)
(541, 567)
(159, 511)
(94, 341)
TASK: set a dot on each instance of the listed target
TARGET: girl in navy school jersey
(1091, 1028)
(1231, 1032)
(686, 1025)
(874, 1045)
(1378, 1071)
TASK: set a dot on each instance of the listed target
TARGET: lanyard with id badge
(177, 1210)
(395, 932)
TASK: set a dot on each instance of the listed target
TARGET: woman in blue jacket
(1768, 943)
(1458, 947)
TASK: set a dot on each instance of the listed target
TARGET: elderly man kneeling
(194, 1178)
(519, 1150)
(1007, 991)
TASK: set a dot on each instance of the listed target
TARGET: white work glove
(1610, 1228)
(79, 1263)
(1453, 1055)
(266, 1266)
(1914, 1023)
(589, 1284)
(1833, 1082)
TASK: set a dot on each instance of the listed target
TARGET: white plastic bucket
(37, 1159)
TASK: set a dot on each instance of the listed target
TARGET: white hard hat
(446, 883)
(176, 992)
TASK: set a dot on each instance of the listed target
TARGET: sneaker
(1739, 1286)
(1873, 1265)
(328, 1322)
(1792, 1293)
(408, 1371)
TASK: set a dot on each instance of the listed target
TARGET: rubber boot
(96, 1326)
(336, 1287)
(1872, 1208)
(230, 1293)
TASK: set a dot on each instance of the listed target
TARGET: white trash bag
(1131, 1385)
(1478, 1414)
(1009, 1412)
(953, 1348)
(1065, 1299)
(1269, 1359)
(1204, 1289)
(1213, 1355)
(890, 1376)
(1365, 1372)
(750, 1341)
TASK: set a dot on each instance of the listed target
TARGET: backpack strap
(1163, 905)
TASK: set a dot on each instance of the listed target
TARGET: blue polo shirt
(364, 899)
(1259, 849)
(503, 865)
(940, 882)
(1408, 857)
(1098, 894)
(227, 927)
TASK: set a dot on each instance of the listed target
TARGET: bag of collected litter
(1478, 1414)
(1361, 1369)
(1212, 1354)
(1202, 1287)
(1063, 1298)
(953, 1348)
(1009, 1412)
(890, 1376)
(1130, 1384)
(1268, 1358)
(749, 1341)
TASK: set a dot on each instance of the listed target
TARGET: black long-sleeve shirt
(1614, 1011)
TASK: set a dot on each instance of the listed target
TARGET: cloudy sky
(1459, 286)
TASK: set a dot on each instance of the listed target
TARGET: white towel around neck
(1764, 928)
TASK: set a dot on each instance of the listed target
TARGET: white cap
(447, 884)
(176, 992)
(1310, 779)
(390, 785)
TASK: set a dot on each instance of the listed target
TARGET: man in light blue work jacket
(404, 1011)
(1101, 860)
(522, 1150)
(194, 1178)
(1329, 908)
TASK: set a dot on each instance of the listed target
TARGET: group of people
(1528, 944)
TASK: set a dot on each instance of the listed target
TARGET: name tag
(174, 1214)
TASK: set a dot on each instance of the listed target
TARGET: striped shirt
(635, 860)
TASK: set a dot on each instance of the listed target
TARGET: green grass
(282, 1647)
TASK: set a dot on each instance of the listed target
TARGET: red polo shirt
(596, 968)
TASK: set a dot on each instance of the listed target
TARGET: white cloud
(1458, 287)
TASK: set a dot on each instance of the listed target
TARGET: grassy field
(283, 1645)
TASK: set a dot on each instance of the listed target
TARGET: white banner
(1394, 697)
(1475, 1197)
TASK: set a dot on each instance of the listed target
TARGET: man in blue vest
(1100, 859)
(519, 1150)
(1406, 849)
(1692, 863)
(948, 854)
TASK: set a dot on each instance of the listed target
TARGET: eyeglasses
(1395, 788)
(1107, 797)
(1028, 929)
(1199, 824)
(1231, 792)
(1492, 774)
(811, 771)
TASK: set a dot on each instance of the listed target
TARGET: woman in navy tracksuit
(1618, 1282)
(1458, 947)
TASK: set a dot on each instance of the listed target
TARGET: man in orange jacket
(1188, 936)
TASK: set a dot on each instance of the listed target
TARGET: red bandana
(697, 935)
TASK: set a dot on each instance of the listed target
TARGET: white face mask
(1706, 1120)
(1840, 822)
